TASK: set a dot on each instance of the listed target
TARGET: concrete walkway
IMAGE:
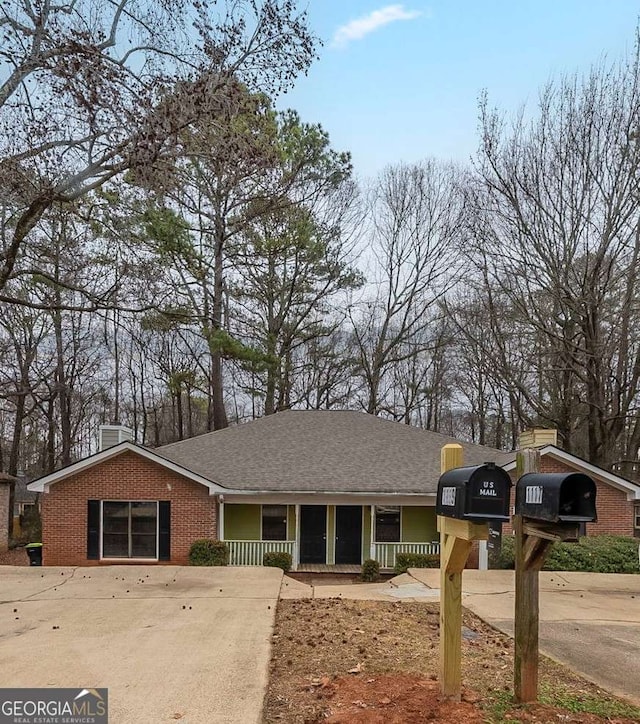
(170, 643)
(401, 587)
(588, 621)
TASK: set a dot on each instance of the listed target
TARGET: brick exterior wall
(127, 476)
(4, 516)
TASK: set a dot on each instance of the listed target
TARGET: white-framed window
(129, 529)
(274, 522)
(636, 520)
(388, 524)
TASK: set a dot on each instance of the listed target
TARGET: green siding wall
(331, 534)
(242, 522)
(291, 522)
(418, 524)
(366, 532)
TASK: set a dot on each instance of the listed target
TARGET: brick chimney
(537, 437)
(110, 435)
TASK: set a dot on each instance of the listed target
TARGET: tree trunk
(26, 222)
(220, 420)
(62, 390)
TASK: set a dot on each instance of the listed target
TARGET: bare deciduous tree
(558, 251)
(93, 88)
(415, 240)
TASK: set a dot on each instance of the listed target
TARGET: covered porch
(327, 537)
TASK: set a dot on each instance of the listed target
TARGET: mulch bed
(375, 662)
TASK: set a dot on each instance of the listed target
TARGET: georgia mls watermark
(54, 706)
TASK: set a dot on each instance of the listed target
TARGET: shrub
(207, 552)
(370, 570)
(30, 527)
(597, 554)
(507, 557)
(277, 559)
(404, 561)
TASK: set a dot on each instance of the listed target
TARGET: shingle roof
(322, 451)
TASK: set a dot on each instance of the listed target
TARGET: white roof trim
(42, 485)
(632, 490)
(309, 498)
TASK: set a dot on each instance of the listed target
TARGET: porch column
(372, 547)
(296, 545)
(483, 556)
(220, 517)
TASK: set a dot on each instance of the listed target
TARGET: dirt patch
(367, 661)
(14, 557)
(393, 699)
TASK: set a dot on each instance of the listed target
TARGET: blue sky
(402, 82)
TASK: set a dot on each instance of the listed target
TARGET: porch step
(326, 568)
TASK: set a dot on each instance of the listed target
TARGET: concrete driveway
(170, 643)
(589, 621)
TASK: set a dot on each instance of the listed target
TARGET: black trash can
(34, 551)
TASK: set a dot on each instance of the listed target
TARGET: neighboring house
(329, 487)
(5, 495)
(24, 499)
(24, 502)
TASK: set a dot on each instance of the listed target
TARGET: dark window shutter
(93, 529)
(164, 530)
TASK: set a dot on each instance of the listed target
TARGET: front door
(349, 534)
(313, 534)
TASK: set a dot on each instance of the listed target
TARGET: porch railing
(385, 553)
(250, 552)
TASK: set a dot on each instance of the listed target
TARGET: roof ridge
(370, 417)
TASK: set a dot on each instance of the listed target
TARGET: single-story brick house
(330, 487)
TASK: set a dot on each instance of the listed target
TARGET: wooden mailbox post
(467, 497)
(549, 508)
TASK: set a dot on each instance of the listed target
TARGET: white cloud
(358, 28)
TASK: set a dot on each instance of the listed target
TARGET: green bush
(207, 552)
(507, 558)
(597, 554)
(404, 561)
(30, 527)
(370, 570)
(277, 559)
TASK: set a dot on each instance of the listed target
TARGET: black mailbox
(478, 493)
(557, 497)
